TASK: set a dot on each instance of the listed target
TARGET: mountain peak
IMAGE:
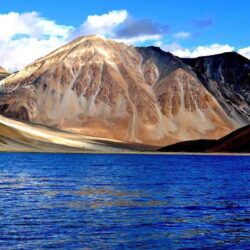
(90, 38)
(231, 56)
(84, 45)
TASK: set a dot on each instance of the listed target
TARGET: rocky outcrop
(102, 88)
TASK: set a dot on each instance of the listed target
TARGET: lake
(90, 201)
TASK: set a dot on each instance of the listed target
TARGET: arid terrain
(17, 136)
(98, 88)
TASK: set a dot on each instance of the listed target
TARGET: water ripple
(124, 202)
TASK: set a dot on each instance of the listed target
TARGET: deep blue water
(60, 201)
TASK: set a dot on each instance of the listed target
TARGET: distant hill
(236, 142)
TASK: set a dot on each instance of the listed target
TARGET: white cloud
(206, 50)
(29, 24)
(182, 35)
(16, 54)
(245, 52)
(103, 25)
(107, 25)
(28, 36)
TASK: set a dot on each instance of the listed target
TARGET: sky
(30, 29)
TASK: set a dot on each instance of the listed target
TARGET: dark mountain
(236, 142)
(227, 78)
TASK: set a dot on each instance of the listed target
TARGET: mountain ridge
(145, 95)
(227, 77)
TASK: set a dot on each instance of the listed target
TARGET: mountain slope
(236, 142)
(29, 137)
(227, 78)
(102, 88)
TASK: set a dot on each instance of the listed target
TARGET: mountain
(236, 142)
(227, 77)
(98, 87)
(3, 73)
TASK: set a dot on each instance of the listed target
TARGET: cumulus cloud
(207, 50)
(29, 24)
(103, 25)
(204, 50)
(182, 35)
(120, 26)
(245, 52)
(15, 54)
(27, 36)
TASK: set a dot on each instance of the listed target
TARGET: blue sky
(187, 28)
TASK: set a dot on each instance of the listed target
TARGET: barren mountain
(102, 88)
(227, 78)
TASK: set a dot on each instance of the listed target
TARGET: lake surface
(60, 201)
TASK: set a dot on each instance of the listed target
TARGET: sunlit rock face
(102, 88)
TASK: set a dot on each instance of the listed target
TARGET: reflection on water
(124, 201)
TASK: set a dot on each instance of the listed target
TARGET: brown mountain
(102, 88)
(236, 142)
